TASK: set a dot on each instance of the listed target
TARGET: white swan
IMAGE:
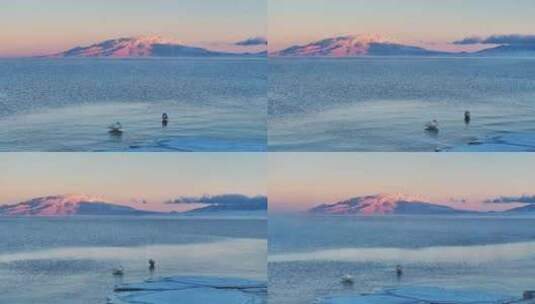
(432, 126)
(118, 272)
(347, 279)
(116, 128)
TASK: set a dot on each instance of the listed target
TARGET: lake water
(67, 104)
(383, 104)
(309, 255)
(69, 260)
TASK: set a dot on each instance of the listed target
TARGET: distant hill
(231, 203)
(152, 46)
(383, 204)
(509, 50)
(524, 209)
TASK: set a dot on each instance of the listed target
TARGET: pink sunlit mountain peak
(143, 46)
(68, 205)
(383, 204)
(353, 46)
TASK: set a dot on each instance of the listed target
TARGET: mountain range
(144, 46)
(341, 46)
(71, 205)
(380, 204)
(387, 204)
(375, 45)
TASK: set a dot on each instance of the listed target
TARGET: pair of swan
(117, 129)
(432, 126)
(348, 279)
(119, 271)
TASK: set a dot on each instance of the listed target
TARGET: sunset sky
(299, 181)
(295, 181)
(428, 23)
(130, 178)
(36, 27)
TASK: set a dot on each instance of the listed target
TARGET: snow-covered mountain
(383, 204)
(355, 45)
(143, 46)
(66, 205)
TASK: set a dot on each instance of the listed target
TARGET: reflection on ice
(240, 247)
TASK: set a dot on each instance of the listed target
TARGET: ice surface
(440, 295)
(177, 290)
(203, 145)
(367, 299)
(421, 295)
(509, 142)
